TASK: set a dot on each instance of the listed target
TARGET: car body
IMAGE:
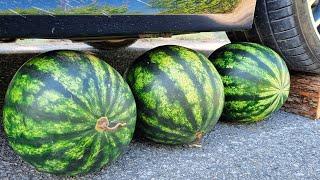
(117, 19)
(290, 27)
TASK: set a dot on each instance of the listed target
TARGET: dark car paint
(47, 24)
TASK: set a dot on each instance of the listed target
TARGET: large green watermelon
(179, 94)
(68, 113)
(256, 81)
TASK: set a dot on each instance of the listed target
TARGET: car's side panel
(116, 7)
(114, 26)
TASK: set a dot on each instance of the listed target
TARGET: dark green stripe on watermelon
(52, 85)
(179, 94)
(196, 81)
(255, 78)
(52, 108)
(216, 99)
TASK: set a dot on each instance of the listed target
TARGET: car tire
(112, 44)
(290, 28)
(8, 40)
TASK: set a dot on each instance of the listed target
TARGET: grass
(87, 10)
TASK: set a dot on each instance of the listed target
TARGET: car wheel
(112, 44)
(8, 40)
(291, 27)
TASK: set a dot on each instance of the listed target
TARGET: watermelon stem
(197, 142)
(102, 125)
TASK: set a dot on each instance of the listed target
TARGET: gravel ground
(285, 146)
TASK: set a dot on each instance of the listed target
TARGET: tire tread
(277, 28)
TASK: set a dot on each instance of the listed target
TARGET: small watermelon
(256, 81)
(68, 113)
(179, 95)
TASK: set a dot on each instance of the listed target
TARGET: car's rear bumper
(103, 26)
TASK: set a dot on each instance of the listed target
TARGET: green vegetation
(194, 6)
(68, 113)
(164, 6)
(256, 81)
(179, 95)
(87, 10)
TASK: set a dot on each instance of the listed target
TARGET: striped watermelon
(179, 95)
(68, 113)
(256, 81)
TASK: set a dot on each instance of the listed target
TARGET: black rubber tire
(8, 40)
(112, 44)
(285, 26)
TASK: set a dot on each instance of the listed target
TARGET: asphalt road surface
(285, 146)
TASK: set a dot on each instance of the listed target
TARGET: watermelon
(68, 113)
(256, 81)
(179, 95)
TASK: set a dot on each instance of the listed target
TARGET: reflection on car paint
(115, 7)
